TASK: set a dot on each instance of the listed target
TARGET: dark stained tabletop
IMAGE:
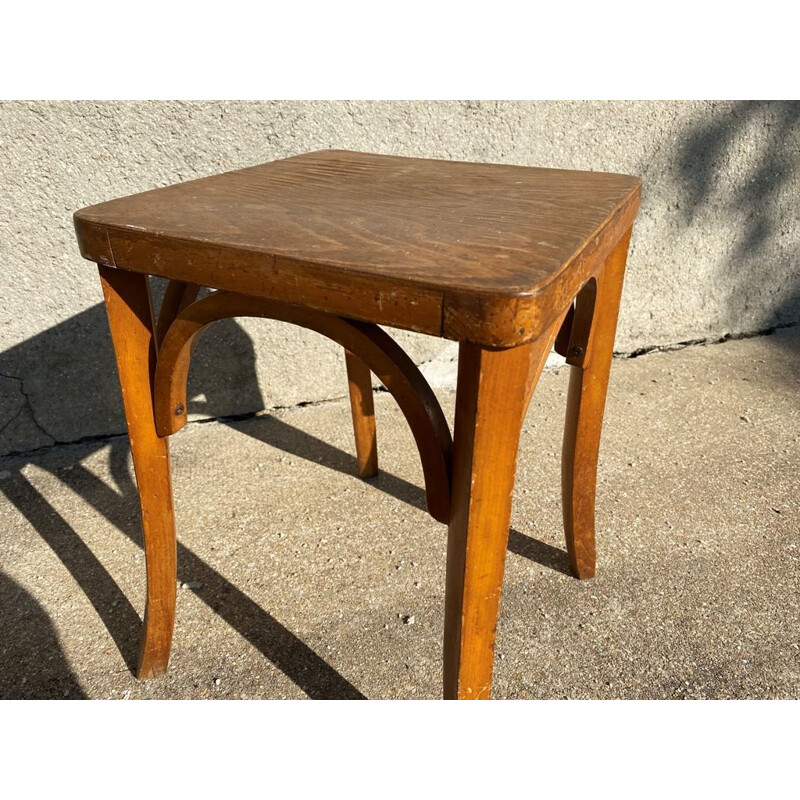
(447, 228)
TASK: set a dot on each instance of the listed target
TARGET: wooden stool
(505, 260)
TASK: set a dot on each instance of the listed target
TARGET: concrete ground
(300, 580)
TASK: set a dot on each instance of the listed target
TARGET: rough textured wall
(715, 250)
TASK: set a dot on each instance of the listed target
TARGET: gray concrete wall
(715, 250)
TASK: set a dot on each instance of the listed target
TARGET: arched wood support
(177, 297)
(541, 353)
(366, 341)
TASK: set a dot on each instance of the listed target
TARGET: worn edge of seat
(377, 299)
(492, 318)
(508, 321)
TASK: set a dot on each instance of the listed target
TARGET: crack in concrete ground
(27, 404)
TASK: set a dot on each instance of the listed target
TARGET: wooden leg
(590, 350)
(363, 408)
(130, 316)
(494, 387)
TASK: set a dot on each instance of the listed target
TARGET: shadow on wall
(71, 391)
(762, 201)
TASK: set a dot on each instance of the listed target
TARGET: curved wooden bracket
(367, 341)
(177, 297)
(541, 353)
(572, 341)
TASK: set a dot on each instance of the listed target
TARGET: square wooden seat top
(486, 253)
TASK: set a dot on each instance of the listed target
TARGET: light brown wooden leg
(494, 388)
(362, 406)
(130, 316)
(590, 350)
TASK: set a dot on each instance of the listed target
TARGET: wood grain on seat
(454, 249)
